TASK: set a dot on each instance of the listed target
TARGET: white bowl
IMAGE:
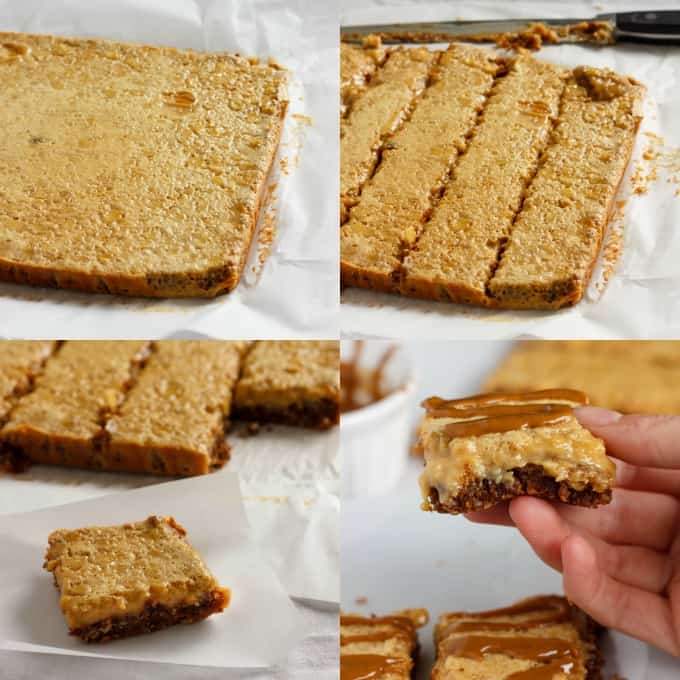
(374, 439)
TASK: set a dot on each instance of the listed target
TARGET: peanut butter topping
(489, 437)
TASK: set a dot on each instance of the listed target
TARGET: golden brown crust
(228, 221)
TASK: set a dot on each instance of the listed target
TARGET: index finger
(647, 441)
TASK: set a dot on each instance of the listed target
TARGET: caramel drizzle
(367, 666)
(404, 623)
(380, 636)
(548, 610)
(502, 412)
(553, 654)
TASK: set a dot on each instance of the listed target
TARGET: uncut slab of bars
(464, 176)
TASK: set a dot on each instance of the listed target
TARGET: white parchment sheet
(642, 298)
(289, 482)
(257, 629)
(296, 292)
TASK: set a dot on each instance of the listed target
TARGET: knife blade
(655, 26)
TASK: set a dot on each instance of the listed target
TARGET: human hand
(621, 562)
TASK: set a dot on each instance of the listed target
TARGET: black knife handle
(662, 25)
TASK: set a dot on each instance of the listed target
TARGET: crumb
(361, 600)
(283, 165)
(656, 157)
(249, 430)
(613, 245)
(305, 120)
(267, 233)
(441, 563)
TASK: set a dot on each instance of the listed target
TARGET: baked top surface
(281, 372)
(18, 360)
(82, 382)
(541, 637)
(627, 376)
(502, 224)
(181, 397)
(489, 436)
(117, 571)
(125, 159)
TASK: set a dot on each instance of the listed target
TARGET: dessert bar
(377, 114)
(486, 449)
(627, 376)
(156, 407)
(20, 362)
(61, 421)
(542, 637)
(475, 178)
(386, 220)
(132, 169)
(290, 382)
(175, 417)
(357, 66)
(379, 646)
(118, 581)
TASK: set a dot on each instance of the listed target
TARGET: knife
(649, 26)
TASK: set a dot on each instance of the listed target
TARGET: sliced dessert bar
(61, 421)
(357, 66)
(414, 165)
(624, 375)
(20, 362)
(557, 235)
(376, 114)
(489, 448)
(117, 581)
(540, 637)
(379, 647)
(175, 417)
(291, 382)
(458, 250)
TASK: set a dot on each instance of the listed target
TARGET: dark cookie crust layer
(321, 415)
(529, 480)
(152, 618)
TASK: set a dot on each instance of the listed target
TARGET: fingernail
(592, 415)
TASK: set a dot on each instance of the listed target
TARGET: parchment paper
(258, 628)
(642, 298)
(297, 291)
(289, 480)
